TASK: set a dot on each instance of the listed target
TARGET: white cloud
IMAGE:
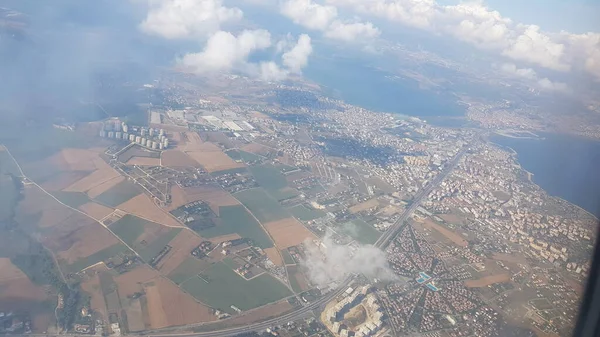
(309, 14)
(547, 84)
(513, 70)
(324, 18)
(487, 29)
(352, 31)
(297, 58)
(174, 19)
(224, 51)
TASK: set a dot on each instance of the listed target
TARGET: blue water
(565, 166)
(356, 82)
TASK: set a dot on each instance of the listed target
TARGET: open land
(105, 186)
(304, 213)
(92, 180)
(95, 210)
(363, 206)
(450, 235)
(288, 232)
(213, 194)
(144, 161)
(220, 287)
(487, 280)
(297, 279)
(273, 181)
(214, 160)
(361, 231)
(188, 268)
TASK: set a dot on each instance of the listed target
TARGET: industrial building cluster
(373, 323)
(151, 138)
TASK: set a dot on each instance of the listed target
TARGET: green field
(9, 197)
(188, 268)
(102, 255)
(273, 181)
(244, 156)
(118, 194)
(233, 170)
(130, 227)
(287, 257)
(73, 199)
(220, 287)
(235, 219)
(361, 231)
(234, 154)
(263, 206)
(304, 213)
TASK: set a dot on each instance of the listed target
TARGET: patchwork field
(145, 237)
(235, 219)
(62, 180)
(258, 149)
(72, 199)
(220, 287)
(95, 210)
(182, 245)
(167, 305)
(142, 206)
(176, 158)
(187, 269)
(96, 178)
(104, 255)
(213, 194)
(131, 282)
(87, 241)
(263, 206)
(91, 285)
(105, 186)
(288, 232)
(118, 194)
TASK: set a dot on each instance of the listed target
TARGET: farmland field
(361, 231)
(118, 194)
(100, 256)
(235, 219)
(7, 165)
(297, 279)
(264, 208)
(73, 199)
(221, 287)
(153, 248)
(304, 213)
(128, 228)
(188, 268)
(288, 232)
(273, 181)
(287, 257)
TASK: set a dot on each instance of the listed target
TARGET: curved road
(306, 310)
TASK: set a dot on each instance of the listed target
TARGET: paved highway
(382, 243)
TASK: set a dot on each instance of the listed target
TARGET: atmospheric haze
(332, 262)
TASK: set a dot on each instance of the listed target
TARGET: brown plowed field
(182, 244)
(131, 282)
(105, 186)
(95, 210)
(215, 160)
(450, 235)
(288, 232)
(85, 241)
(143, 207)
(144, 161)
(168, 305)
(62, 180)
(176, 158)
(94, 179)
(273, 255)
